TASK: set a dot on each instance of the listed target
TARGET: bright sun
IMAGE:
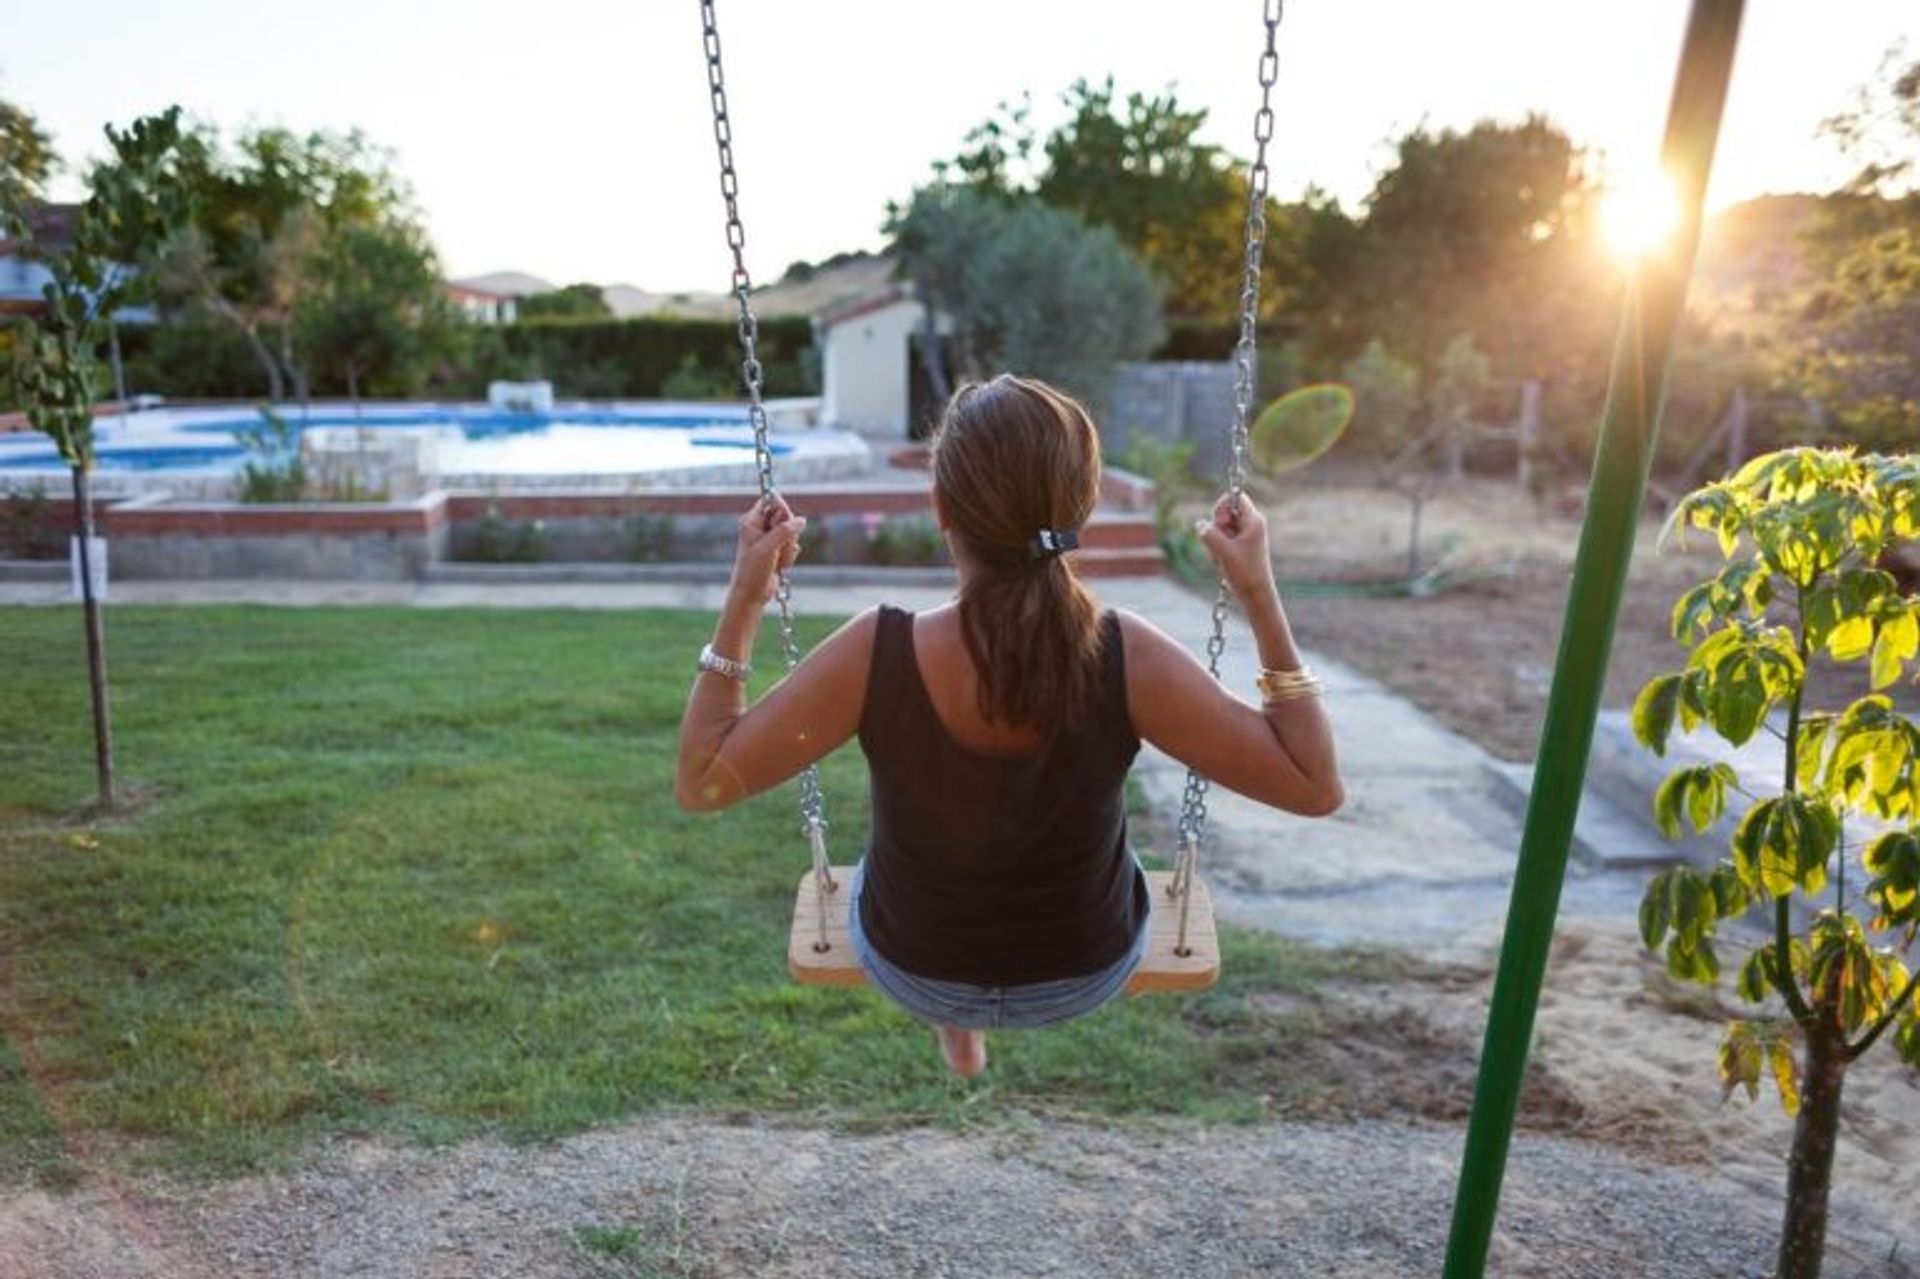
(1638, 214)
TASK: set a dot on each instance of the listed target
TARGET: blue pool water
(468, 439)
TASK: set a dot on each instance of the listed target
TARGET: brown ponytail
(1013, 457)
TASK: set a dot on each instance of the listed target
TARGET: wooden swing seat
(1161, 970)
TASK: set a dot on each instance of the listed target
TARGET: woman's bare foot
(965, 1050)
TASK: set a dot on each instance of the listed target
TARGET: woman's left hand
(769, 544)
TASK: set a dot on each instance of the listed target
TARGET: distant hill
(842, 278)
(513, 283)
(1753, 250)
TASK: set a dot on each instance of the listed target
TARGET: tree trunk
(1737, 430)
(276, 388)
(1810, 1167)
(96, 641)
(931, 357)
(295, 375)
(1418, 500)
(1527, 434)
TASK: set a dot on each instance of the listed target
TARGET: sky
(571, 138)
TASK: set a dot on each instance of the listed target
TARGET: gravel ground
(679, 1196)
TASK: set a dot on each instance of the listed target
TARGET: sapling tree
(1803, 533)
(135, 201)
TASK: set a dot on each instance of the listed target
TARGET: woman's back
(998, 854)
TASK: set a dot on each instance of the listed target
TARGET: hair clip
(1049, 542)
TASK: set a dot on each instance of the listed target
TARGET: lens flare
(1639, 214)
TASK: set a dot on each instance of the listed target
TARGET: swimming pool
(466, 443)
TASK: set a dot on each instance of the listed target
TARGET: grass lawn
(420, 874)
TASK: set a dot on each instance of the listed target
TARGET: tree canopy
(574, 302)
(1027, 287)
(268, 214)
(27, 160)
(1136, 165)
(1482, 233)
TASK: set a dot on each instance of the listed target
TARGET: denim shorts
(966, 1006)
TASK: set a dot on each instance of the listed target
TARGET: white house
(866, 360)
(482, 306)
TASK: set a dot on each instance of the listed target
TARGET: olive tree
(1027, 287)
(1803, 533)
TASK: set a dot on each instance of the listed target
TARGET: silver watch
(712, 661)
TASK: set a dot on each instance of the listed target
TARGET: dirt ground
(1627, 1162)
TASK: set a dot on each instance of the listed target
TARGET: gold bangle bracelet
(1279, 684)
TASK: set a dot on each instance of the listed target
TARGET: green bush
(191, 357)
(608, 359)
(649, 537)
(912, 541)
(1168, 464)
(273, 471)
(498, 540)
(1386, 398)
(692, 381)
(27, 531)
(647, 358)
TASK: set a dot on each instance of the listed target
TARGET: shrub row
(594, 359)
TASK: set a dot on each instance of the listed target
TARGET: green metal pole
(1649, 314)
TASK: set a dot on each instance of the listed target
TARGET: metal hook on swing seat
(817, 845)
(1183, 860)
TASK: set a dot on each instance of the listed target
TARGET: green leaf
(1654, 710)
(1894, 862)
(1706, 799)
(1810, 750)
(1693, 612)
(1850, 639)
(1692, 961)
(1740, 1060)
(1906, 1038)
(1755, 982)
(1656, 911)
(1669, 801)
(1691, 903)
(1894, 647)
(1730, 897)
(1784, 843)
(1693, 706)
(1785, 1077)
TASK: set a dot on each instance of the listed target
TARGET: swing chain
(812, 807)
(1193, 804)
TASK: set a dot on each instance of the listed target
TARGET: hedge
(653, 358)
(593, 359)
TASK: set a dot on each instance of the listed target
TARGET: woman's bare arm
(1280, 754)
(730, 750)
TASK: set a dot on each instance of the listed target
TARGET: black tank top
(993, 871)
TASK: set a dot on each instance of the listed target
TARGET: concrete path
(1422, 854)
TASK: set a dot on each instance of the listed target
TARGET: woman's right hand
(769, 543)
(1236, 538)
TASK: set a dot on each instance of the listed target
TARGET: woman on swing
(998, 888)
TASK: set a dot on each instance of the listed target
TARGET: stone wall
(153, 537)
(1171, 402)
